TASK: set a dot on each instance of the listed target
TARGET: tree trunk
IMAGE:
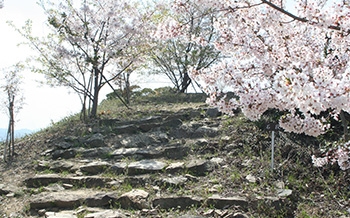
(185, 83)
(127, 88)
(96, 92)
(9, 149)
(345, 124)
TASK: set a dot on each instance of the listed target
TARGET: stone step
(138, 199)
(38, 181)
(197, 167)
(136, 173)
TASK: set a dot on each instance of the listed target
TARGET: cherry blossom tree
(174, 56)
(89, 45)
(287, 55)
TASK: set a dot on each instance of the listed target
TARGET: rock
(64, 154)
(128, 128)
(95, 152)
(10, 195)
(176, 151)
(142, 140)
(63, 200)
(94, 168)
(4, 190)
(279, 184)
(54, 188)
(124, 152)
(138, 153)
(100, 200)
(213, 112)
(202, 142)
(223, 202)
(284, 192)
(177, 181)
(190, 216)
(206, 131)
(138, 180)
(86, 181)
(176, 202)
(62, 214)
(61, 166)
(217, 160)
(145, 166)
(135, 199)
(172, 123)
(96, 140)
(199, 167)
(64, 145)
(106, 214)
(67, 186)
(71, 199)
(118, 168)
(175, 167)
(240, 215)
(250, 178)
(215, 188)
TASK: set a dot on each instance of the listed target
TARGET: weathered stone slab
(64, 154)
(176, 202)
(62, 214)
(138, 180)
(206, 131)
(94, 168)
(61, 166)
(175, 167)
(86, 181)
(145, 166)
(138, 153)
(96, 140)
(106, 214)
(129, 128)
(135, 199)
(176, 151)
(118, 168)
(124, 152)
(94, 152)
(71, 199)
(223, 202)
(63, 200)
(100, 200)
(199, 167)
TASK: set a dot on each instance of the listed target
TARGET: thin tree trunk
(186, 81)
(9, 149)
(96, 92)
(345, 124)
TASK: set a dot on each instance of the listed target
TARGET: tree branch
(304, 20)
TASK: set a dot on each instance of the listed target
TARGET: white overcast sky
(42, 104)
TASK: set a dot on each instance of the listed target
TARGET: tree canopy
(292, 56)
(173, 57)
(89, 45)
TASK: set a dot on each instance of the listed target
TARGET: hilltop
(169, 155)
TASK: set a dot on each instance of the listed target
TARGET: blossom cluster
(291, 57)
(338, 155)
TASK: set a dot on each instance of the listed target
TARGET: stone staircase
(159, 166)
